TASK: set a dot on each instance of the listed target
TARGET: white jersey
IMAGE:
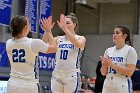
(116, 82)
(121, 57)
(67, 55)
(22, 54)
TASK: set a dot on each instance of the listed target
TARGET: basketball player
(66, 75)
(118, 63)
(22, 52)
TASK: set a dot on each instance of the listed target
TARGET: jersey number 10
(18, 55)
(64, 54)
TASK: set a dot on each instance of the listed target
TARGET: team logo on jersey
(117, 59)
(71, 46)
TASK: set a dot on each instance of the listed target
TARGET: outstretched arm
(47, 25)
(80, 42)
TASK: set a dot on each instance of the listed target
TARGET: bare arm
(103, 70)
(103, 67)
(106, 62)
(80, 42)
(48, 37)
(47, 25)
(130, 66)
(128, 70)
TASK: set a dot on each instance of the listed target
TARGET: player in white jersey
(66, 75)
(22, 52)
(118, 63)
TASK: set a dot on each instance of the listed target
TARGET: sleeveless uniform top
(67, 55)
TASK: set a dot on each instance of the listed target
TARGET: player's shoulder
(80, 37)
(131, 49)
(110, 48)
(9, 40)
(36, 41)
(59, 37)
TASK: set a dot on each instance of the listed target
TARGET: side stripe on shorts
(38, 87)
(77, 90)
(129, 86)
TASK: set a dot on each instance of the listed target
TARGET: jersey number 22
(18, 55)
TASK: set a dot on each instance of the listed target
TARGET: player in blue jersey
(66, 75)
(22, 52)
(118, 63)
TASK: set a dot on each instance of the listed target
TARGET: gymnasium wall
(96, 24)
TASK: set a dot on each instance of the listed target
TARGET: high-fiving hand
(47, 24)
(62, 22)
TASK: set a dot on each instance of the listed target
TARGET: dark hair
(17, 24)
(74, 20)
(125, 30)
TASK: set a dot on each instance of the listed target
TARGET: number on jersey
(63, 54)
(18, 55)
(112, 70)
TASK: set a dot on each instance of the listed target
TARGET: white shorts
(117, 84)
(22, 86)
(65, 82)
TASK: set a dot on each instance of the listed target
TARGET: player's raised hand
(47, 24)
(62, 22)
